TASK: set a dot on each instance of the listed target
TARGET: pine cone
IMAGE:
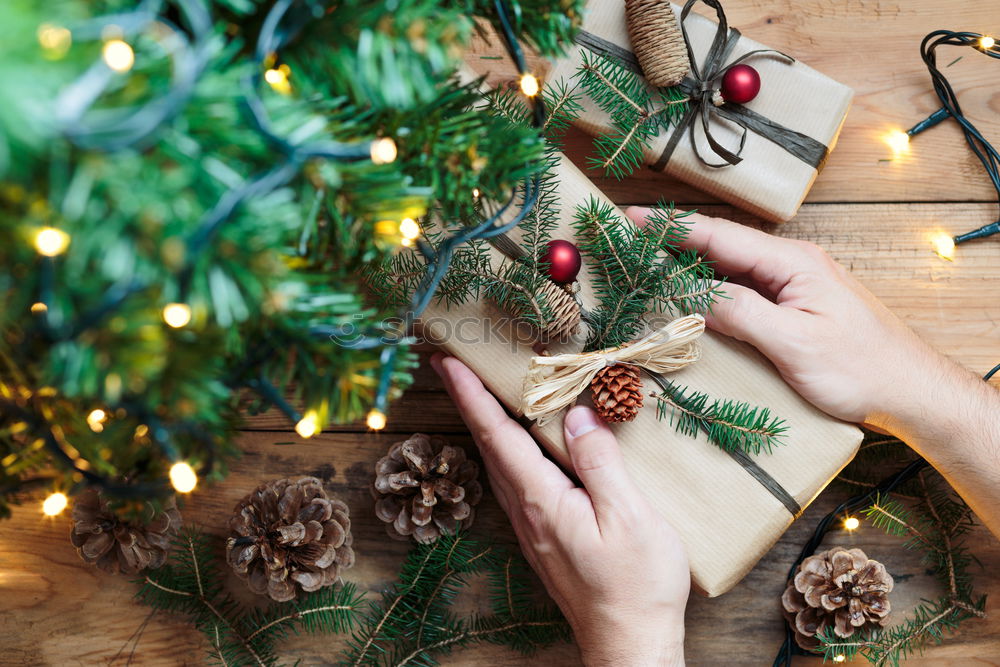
(289, 535)
(425, 487)
(617, 392)
(100, 537)
(565, 312)
(838, 588)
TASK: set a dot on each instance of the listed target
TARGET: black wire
(789, 647)
(982, 148)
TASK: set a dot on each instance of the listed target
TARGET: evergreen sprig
(413, 623)
(731, 425)
(639, 269)
(931, 518)
(190, 584)
(637, 112)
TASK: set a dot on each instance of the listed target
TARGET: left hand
(614, 566)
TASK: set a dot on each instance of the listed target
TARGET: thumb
(597, 460)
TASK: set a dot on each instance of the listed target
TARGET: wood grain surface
(874, 216)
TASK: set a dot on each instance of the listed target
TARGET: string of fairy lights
(899, 141)
(136, 125)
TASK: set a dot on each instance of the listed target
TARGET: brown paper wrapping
(726, 518)
(769, 182)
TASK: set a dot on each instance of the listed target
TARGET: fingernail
(436, 362)
(580, 421)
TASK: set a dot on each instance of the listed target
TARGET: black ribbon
(701, 86)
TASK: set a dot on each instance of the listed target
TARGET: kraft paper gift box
(729, 510)
(770, 182)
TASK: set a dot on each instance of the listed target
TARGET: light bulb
(409, 229)
(95, 420)
(851, 523)
(308, 426)
(987, 42)
(38, 308)
(183, 477)
(176, 315)
(118, 55)
(376, 420)
(840, 657)
(475, 193)
(54, 504)
(529, 85)
(55, 39)
(944, 246)
(383, 150)
(50, 241)
(898, 141)
(277, 78)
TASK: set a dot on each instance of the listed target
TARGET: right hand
(829, 337)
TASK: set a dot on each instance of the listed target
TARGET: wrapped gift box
(770, 182)
(728, 509)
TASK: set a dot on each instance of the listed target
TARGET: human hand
(830, 338)
(614, 566)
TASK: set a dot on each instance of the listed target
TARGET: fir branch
(637, 112)
(730, 425)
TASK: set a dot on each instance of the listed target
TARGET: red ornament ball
(564, 261)
(740, 84)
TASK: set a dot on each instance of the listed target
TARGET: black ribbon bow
(701, 87)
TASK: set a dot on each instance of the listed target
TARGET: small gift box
(780, 139)
(729, 508)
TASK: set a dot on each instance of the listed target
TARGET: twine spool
(657, 41)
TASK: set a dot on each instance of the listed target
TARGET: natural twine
(553, 383)
(657, 41)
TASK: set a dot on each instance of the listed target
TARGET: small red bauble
(740, 84)
(564, 261)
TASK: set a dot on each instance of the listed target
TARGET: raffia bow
(553, 383)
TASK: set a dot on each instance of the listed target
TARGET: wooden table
(873, 215)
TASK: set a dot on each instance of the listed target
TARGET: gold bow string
(553, 383)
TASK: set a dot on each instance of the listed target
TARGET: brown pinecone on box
(424, 488)
(617, 392)
(100, 537)
(289, 535)
(838, 588)
(565, 312)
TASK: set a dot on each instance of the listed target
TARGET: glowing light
(409, 229)
(851, 523)
(118, 55)
(38, 308)
(840, 657)
(183, 477)
(987, 42)
(176, 315)
(55, 39)
(96, 419)
(50, 241)
(944, 246)
(308, 426)
(383, 150)
(277, 78)
(529, 85)
(475, 193)
(376, 420)
(54, 504)
(898, 141)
